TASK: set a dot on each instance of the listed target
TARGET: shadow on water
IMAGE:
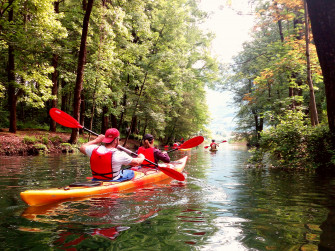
(222, 206)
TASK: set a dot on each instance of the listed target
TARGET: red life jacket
(148, 154)
(101, 165)
(213, 145)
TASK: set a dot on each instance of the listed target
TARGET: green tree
(146, 63)
(27, 31)
(80, 69)
(272, 69)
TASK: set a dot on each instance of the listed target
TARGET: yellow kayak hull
(51, 195)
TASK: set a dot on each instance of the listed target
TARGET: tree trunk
(135, 109)
(296, 91)
(82, 112)
(113, 119)
(12, 97)
(259, 121)
(124, 104)
(322, 16)
(92, 115)
(105, 121)
(54, 90)
(312, 103)
(279, 22)
(145, 127)
(170, 137)
(133, 126)
(280, 31)
(54, 77)
(65, 97)
(80, 69)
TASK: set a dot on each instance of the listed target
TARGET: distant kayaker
(106, 161)
(213, 145)
(175, 144)
(151, 153)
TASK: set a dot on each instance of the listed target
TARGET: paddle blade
(206, 147)
(63, 118)
(172, 173)
(192, 142)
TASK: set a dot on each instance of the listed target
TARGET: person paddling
(213, 145)
(106, 160)
(175, 144)
(151, 153)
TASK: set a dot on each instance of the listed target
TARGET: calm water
(221, 206)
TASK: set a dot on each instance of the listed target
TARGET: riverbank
(35, 141)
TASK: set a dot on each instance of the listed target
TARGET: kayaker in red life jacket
(106, 160)
(213, 145)
(151, 153)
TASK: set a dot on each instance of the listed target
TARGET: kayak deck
(46, 196)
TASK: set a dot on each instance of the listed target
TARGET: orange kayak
(51, 195)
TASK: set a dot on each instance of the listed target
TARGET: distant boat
(186, 149)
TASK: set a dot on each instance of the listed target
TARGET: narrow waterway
(222, 205)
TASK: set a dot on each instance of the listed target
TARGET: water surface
(222, 206)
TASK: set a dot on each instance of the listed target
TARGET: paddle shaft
(173, 150)
(135, 154)
(88, 130)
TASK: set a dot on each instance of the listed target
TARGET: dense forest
(283, 81)
(140, 66)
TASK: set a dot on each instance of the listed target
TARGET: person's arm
(95, 141)
(163, 156)
(138, 160)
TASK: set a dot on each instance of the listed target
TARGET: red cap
(110, 135)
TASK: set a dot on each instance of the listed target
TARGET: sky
(231, 30)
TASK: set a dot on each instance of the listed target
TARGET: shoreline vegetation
(36, 141)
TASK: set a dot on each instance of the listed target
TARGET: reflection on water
(222, 206)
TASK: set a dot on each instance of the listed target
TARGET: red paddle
(66, 120)
(189, 143)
